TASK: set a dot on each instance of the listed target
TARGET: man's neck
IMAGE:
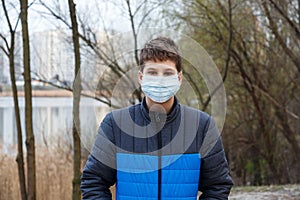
(160, 107)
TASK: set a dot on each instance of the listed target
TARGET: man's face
(161, 68)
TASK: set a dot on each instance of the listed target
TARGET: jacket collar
(159, 117)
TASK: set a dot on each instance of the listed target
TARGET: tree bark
(76, 194)
(30, 144)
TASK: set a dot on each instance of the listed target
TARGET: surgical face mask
(160, 88)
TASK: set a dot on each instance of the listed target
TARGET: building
(52, 55)
(4, 61)
(52, 58)
(3, 65)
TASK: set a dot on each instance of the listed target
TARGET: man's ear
(180, 76)
(140, 77)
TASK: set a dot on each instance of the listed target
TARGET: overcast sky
(89, 9)
(112, 13)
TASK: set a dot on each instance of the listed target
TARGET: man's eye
(169, 74)
(152, 73)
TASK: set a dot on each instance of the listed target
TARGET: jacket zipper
(159, 156)
(159, 167)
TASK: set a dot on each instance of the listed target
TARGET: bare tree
(9, 51)
(105, 52)
(260, 116)
(76, 103)
(30, 141)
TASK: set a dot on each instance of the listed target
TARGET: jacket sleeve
(215, 181)
(99, 173)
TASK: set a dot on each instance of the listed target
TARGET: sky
(95, 12)
(111, 13)
(88, 9)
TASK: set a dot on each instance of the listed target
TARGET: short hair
(160, 49)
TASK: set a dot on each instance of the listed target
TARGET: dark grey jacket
(135, 130)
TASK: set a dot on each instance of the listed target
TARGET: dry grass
(54, 174)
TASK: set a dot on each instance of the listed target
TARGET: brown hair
(160, 49)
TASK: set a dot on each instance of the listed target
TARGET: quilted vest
(139, 177)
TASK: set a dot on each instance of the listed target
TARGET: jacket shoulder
(123, 115)
(189, 111)
(126, 109)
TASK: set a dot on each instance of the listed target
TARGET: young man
(158, 149)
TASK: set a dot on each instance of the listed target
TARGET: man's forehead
(157, 66)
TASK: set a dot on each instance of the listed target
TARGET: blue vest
(149, 177)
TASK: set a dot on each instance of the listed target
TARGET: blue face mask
(159, 88)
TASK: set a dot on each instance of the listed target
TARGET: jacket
(155, 156)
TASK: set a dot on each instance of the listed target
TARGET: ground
(281, 192)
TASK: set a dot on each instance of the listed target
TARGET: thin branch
(17, 23)
(250, 86)
(4, 50)
(147, 14)
(113, 65)
(14, 6)
(5, 41)
(281, 41)
(71, 90)
(139, 7)
(133, 31)
(193, 85)
(56, 15)
(6, 16)
(110, 63)
(106, 32)
(289, 21)
(276, 103)
(229, 46)
(31, 4)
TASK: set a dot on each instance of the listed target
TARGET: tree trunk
(20, 157)
(30, 144)
(11, 56)
(76, 194)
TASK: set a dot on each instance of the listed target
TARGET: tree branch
(5, 41)
(6, 16)
(71, 90)
(289, 21)
(295, 59)
(4, 50)
(56, 15)
(228, 55)
(131, 17)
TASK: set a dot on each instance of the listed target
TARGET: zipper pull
(157, 118)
